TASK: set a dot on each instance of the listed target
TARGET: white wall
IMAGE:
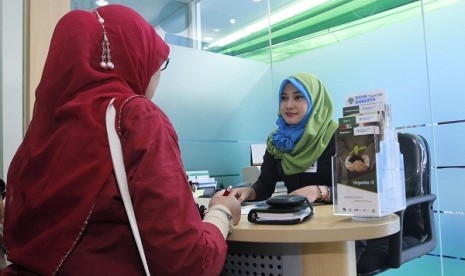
(11, 80)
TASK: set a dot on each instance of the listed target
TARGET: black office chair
(417, 232)
(2, 188)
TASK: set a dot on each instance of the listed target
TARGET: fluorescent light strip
(101, 3)
(277, 17)
(336, 34)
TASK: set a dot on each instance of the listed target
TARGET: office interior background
(220, 89)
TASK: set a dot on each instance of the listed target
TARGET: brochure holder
(368, 168)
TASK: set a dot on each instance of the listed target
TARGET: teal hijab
(316, 134)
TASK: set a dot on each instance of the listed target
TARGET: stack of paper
(201, 179)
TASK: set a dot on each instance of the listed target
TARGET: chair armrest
(395, 240)
(420, 199)
(429, 243)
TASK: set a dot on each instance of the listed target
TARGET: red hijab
(64, 160)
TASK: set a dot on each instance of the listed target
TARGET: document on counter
(247, 206)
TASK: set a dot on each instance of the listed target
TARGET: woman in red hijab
(64, 214)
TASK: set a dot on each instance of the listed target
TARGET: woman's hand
(243, 193)
(230, 202)
(312, 192)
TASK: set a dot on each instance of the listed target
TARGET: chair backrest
(417, 170)
(415, 150)
(417, 236)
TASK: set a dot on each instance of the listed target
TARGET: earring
(105, 62)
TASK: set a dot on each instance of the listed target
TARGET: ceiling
(207, 24)
(214, 16)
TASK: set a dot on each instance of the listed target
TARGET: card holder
(286, 200)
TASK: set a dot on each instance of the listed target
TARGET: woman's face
(150, 91)
(293, 105)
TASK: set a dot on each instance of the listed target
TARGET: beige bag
(120, 172)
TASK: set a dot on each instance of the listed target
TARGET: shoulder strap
(123, 104)
(120, 172)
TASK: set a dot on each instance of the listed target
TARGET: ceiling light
(232, 21)
(275, 17)
(101, 3)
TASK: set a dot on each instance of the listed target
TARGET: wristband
(228, 216)
(328, 197)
